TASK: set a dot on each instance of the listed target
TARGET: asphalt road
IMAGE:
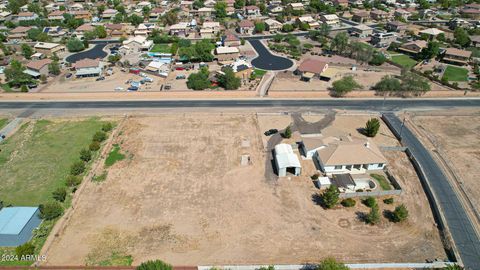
(355, 104)
(460, 226)
(94, 53)
(266, 60)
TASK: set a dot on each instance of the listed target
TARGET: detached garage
(17, 224)
(286, 160)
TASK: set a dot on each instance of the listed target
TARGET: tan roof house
(413, 47)
(223, 54)
(246, 27)
(457, 56)
(37, 68)
(49, 48)
(310, 68)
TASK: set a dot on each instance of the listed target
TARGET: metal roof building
(17, 224)
(286, 160)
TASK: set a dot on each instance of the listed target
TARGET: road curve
(93, 53)
(357, 104)
(268, 61)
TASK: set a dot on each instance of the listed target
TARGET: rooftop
(14, 219)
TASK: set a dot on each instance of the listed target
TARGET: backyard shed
(17, 224)
(286, 160)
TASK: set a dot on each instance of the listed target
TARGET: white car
(119, 88)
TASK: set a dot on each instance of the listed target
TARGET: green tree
(60, 194)
(85, 155)
(431, 51)
(239, 4)
(220, 10)
(330, 196)
(370, 201)
(75, 45)
(14, 74)
(349, 202)
(199, 80)
(377, 59)
(228, 80)
(99, 136)
(154, 265)
(345, 85)
(107, 127)
(373, 217)
(415, 84)
(170, 17)
(27, 51)
(461, 37)
(50, 210)
(287, 27)
(340, 42)
(331, 264)
(361, 52)
(135, 19)
(287, 133)
(25, 250)
(372, 127)
(400, 213)
(73, 181)
(94, 146)
(100, 31)
(388, 84)
(259, 27)
(77, 168)
(54, 68)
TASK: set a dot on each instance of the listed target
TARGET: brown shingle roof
(458, 52)
(38, 64)
(20, 29)
(312, 65)
(246, 23)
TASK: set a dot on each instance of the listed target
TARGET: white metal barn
(286, 160)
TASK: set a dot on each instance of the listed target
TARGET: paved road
(460, 226)
(359, 104)
(94, 53)
(266, 60)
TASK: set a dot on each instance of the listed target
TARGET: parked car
(68, 75)
(119, 88)
(132, 88)
(271, 132)
(100, 79)
(180, 77)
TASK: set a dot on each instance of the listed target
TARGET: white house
(348, 155)
(138, 44)
(286, 160)
(88, 68)
(330, 19)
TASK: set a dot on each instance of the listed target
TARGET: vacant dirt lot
(456, 136)
(183, 196)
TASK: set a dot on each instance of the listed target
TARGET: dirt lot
(183, 196)
(456, 135)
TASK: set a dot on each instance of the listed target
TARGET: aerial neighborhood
(240, 134)
(398, 48)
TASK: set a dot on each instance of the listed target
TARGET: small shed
(286, 160)
(323, 182)
(17, 224)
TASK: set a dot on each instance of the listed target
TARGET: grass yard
(404, 61)
(114, 156)
(259, 72)
(3, 122)
(384, 184)
(37, 158)
(161, 48)
(456, 74)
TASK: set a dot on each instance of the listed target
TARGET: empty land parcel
(455, 137)
(182, 195)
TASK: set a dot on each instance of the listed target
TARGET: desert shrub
(77, 168)
(94, 146)
(370, 201)
(85, 155)
(107, 127)
(287, 133)
(60, 194)
(73, 180)
(99, 136)
(388, 201)
(154, 265)
(330, 196)
(51, 210)
(400, 213)
(373, 217)
(315, 176)
(24, 250)
(349, 202)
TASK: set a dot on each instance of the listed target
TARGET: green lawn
(37, 158)
(456, 74)
(161, 48)
(384, 184)
(114, 156)
(259, 72)
(404, 61)
(3, 122)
